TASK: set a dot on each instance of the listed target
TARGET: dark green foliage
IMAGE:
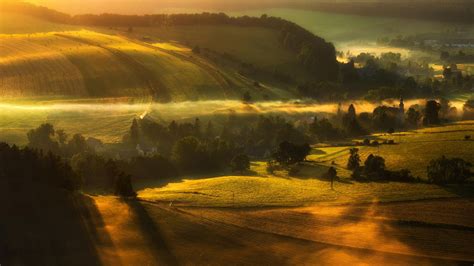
(240, 163)
(192, 155)
(151, 168)
(354, 159)
(246, 98)
(445, 170)
(76, 145)
(356, 174)
(331, 175)
(123, 186)
(351, 124)
(47, 139)
(97, 174)
(27, 165)
(468, 110)
(324, 130)
(134, 132)
(374, 167)
(186, 152)
(431, 116)
(289, 153)
(413, 117)
(41, 138)
(385, 118)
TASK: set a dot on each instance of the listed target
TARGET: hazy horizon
(140, 7)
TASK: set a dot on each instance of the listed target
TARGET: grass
(254, 45)
(415, 149)
(22, 24)
(414, 152)
(89, 64)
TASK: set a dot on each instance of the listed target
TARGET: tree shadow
(152, 234)
(48, 226)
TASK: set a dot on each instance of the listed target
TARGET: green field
(260, 48)
(89, 64)
(414, 152)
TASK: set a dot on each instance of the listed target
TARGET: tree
(134, 132)
(123, 186)
(42, 138)
(240, 163)
(77, 145)
(374, 167)
(186, 153)
(247, 98)
(289, 153)
(431, 113)
(331, 174)
(445, 171)
(413, 117)
(354, 159)
(468, 110)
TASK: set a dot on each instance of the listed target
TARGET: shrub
(354, 159)
(240, 163)
(374, 167)
(444, 170)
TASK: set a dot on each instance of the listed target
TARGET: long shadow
(153, 235)
(44, 226)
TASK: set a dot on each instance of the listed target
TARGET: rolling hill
(160, 57)
(89, 64)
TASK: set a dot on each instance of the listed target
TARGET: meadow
(413, 151)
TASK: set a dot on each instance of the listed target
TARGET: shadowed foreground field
(149, 234)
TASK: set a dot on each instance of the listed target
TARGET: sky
(176, 6)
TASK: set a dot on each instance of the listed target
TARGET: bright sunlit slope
(11, 23)
(88, 64)
(47, 59)
(309, 186)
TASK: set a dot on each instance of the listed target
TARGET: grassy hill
(89, 64)
(308, 186)
(252, 45)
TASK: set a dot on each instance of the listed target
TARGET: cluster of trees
(374, 169)
(47, 139)
(23, 166)
(449, 170)
(72, 162)
(440, 171)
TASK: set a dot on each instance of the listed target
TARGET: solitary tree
(354, 159)
(332, 174)
(247, 98)
(240, 163)
(123, 186)
(134, 132)
(374, 167)
(431, 113)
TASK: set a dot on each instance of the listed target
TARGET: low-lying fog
(110, 121)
